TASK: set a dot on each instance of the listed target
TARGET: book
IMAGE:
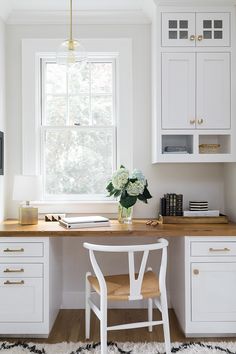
(206, 213)
(84, 221)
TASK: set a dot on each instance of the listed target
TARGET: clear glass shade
(71, 52)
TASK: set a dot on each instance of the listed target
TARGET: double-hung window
(78, 128)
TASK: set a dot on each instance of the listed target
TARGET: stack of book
(84, 221)
(194, 206)
(171, 205)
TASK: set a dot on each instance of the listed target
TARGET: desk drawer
(21, 249)
(21, 300)
(19, 270)
(213, 249)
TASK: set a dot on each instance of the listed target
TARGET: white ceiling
(8, 6)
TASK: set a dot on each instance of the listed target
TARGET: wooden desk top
(138, 228)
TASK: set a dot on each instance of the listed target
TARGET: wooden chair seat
(118, 286)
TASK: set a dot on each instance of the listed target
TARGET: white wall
(195, 181)
(230, 190)
(2, 106)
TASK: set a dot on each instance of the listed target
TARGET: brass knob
(200, 37)
(192, 121)
(200, 121)
(192, 37)
(195, 271)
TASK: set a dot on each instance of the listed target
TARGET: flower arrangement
(129, 188)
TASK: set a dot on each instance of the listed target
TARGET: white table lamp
(27, 188)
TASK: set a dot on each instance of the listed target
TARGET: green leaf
(121, 166)
(109, 187)
(117, 193)
(142, 198)
(128, 200)
(146, 193)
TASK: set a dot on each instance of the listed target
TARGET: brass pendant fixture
(71, 51)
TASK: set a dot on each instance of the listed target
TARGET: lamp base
(28, 215)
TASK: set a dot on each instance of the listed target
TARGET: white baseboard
(75, 300)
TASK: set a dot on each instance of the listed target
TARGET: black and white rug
(117, 348)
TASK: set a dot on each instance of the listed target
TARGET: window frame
(32, 50)
(44, 128)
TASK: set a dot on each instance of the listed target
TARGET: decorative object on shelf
(209, 148)
(71, 51)
(129, 189)
(171, 205)
(221, 219)
(155, 222)
(54, 217)
(27, 188)
(198, 205)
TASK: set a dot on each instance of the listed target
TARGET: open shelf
(214, 144)
(177, 144)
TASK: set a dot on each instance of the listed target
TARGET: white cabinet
(203, 284)
(21, 300)
(213, 91)
(178, 90)
(30, 285)
(213, 289)
(189, 29)
(178, 29)
(196, 90)
(194, 84)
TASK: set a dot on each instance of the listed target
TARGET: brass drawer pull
(7, 250)
(192, 37)
(226, 249)
(7, 270)
(200, 38)
(195, 271)
(8, 282)
(192, 121)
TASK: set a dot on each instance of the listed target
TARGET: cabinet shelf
(177, 144)
(214, 144)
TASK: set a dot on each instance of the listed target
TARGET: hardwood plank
(69, 327)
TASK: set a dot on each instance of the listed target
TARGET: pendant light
(71, 51)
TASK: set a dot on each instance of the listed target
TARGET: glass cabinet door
(212, 29)
(178, 29)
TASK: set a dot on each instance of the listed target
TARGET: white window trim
(32, 51)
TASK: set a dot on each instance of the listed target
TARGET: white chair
(132, 286)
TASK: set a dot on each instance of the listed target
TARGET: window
(36, 55)
(78, 129)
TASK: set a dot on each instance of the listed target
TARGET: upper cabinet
(196, 90)
(194, 111)
(210, 29)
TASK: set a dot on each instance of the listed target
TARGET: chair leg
(87, 307)
(103, 324)
(165, 318)
(150, 311)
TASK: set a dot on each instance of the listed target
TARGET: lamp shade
(27, 188)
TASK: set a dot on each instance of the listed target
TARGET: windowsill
(78, 207)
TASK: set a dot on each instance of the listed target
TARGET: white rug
(116, 348)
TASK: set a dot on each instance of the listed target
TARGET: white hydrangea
(120, 178)
(139, 175)
(135, 188)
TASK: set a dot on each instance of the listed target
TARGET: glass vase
(125, 215)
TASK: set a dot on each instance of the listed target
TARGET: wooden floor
(69, 327)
